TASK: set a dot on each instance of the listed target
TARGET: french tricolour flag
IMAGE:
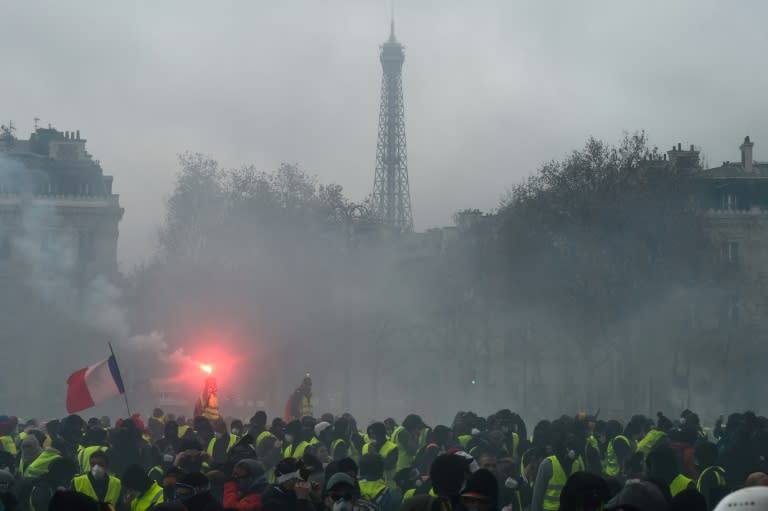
(92, 385)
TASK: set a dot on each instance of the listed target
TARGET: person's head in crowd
(135, 482)
(250, 475)
(638, 496)
(481, 493)
(287, 473)
(448, 474)
(72, 501)
(341, 493)
(191, 485)
(371, 467)
(584, 492)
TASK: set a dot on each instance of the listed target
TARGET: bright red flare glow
(206, 368)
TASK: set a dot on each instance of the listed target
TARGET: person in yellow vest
(156, 424)
(299, 404)
(140, 492)
(618, 451)
(553, 473)
(95, 439)
(661, 463)
(711, 482)
(388, 450)
(221, 443)
(41, 463)
(296, 441)
(207, 404)
(31, 448)
(373, 487)
(98, 483)
(341, 444)
(655, 436)
(406, 438)
(7, 430)
(324, 433)
(184, 428)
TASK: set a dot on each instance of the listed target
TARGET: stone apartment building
(56, 200)
(734, 196)
(58, 251)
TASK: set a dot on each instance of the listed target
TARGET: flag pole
(125, 392)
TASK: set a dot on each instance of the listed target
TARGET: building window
(48, 241)
(730, 252)
(85, 246)
(732, 313)
(5, 248)
(729, 201)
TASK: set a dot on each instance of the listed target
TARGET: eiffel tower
(391, 192)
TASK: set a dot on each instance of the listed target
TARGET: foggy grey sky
(492, 88)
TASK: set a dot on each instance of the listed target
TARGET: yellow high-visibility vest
(404, 460)
(650, 440)
(384, 452)
(372, 490)
(297, 451)
(719, 476)
(151, 498)
(84, 456)
(83, 485)
(232, 441)
(8, 444)
(554, 485)
(612, 468)
(678, 484)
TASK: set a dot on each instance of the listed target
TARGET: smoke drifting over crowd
(593, 285)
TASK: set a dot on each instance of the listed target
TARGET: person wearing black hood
(128, 447)
(481, 492)
(140, 493)
(59, 476)
(69, 437)
(290, 492)
(584, 492)
(244, 491)
(7, 498)
(170, 444)
(447, 475)
(194, 491)
(379, 444)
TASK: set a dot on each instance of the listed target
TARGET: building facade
(57, 209)
(58, 260)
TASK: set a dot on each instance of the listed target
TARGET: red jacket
(233, 499)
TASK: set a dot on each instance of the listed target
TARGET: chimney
(746, 154)
(78, 134)
(66, 134)
(683, 158)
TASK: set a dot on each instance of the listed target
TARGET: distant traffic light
(473, 381)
